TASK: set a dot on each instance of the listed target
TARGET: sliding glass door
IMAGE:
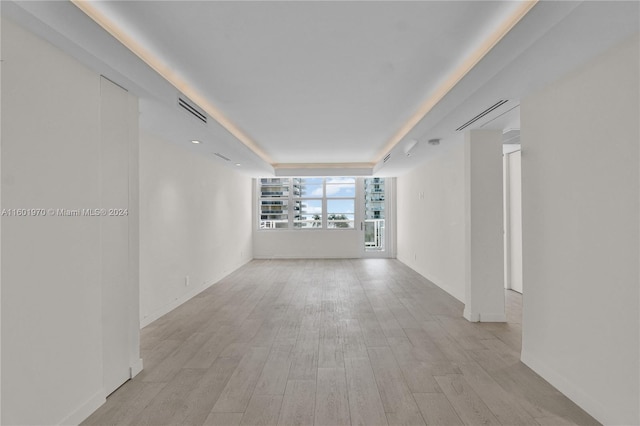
(375, 223)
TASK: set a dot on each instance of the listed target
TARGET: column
(484, 257)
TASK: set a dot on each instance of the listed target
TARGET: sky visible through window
(314, 202)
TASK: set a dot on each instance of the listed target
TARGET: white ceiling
(329, 82)
(312, 82)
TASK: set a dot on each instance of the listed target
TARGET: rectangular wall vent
(192, 109)
(217, 154)
(386, 158)
(482, 114)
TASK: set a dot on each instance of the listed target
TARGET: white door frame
(512, 225)
(389, 213)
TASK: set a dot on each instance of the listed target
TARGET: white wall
(308, 244)
(484, 244)
(581, 234)
(52, 366)
(1, 205)
(431, 220)
(119, 235)
(195, 220)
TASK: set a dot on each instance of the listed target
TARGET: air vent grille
(217, 154)
(192, 109)
(386, 158)
(482, 114)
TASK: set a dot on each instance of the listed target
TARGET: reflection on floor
(332, 342)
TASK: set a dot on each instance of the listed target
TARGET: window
(307, 203)
(274, 203)
(307, 199)
(341, 193)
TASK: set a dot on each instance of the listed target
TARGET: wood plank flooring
(333, 342)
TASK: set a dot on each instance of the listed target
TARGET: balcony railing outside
(373, 229)
(273, 224)
(374, 234)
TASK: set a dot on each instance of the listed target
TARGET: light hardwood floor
(333, 342)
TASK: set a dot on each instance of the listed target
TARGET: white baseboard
(299, 257)
(483, 317)
(469, 316)
(573, 392)
(433, 280)
(185, 297)
(135, 368)
(170, 307)
(497, 317)
(85, 410)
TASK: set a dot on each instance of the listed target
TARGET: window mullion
(292, 208)
(324, 204)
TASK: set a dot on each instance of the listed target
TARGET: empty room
(320, 212)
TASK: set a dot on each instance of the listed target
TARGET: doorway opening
(374, 215)
(512, 219)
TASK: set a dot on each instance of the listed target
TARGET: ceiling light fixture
(184, 87)
(410, 146)
(458, 74)
(168, 74)
(195, 141)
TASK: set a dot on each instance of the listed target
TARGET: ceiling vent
(386, 158)
(217, 154)
(190, 107)
(482, 114)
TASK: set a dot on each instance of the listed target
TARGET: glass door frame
(389, 212)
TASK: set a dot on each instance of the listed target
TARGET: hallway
(332, 342)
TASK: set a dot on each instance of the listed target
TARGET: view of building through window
(307, 203)
(323, 203)
(374, 217)
(308, 194)
(341, 200)
(274, 203)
